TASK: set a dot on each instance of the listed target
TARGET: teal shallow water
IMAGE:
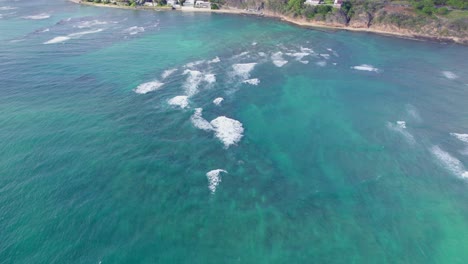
(91, 171)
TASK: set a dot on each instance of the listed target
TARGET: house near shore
(313, 2)
(202, 4)
(189, 3)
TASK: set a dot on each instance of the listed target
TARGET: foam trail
(168, 73)
(218, 101)
(214, 179)
(134, 30)
(325, 56)
(199, 122)
(193, 80)
(298, 55)
(450, 163)
(79, 34)
(5, 8)
(91, 23)
(450, 75)
(254, 81)
(181, 101)
(400, 127)
(278, 60)
(145, 88)
(365, 67)
(57, 40)
(321, 63)
(461, 137)
(195, 63)
(228, 130)
(38, 16)
(209, 78)
(215, 60)
(243, 69)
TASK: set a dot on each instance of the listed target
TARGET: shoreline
(297, 22)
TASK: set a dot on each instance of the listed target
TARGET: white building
(202, 4)
(189, 3)
(313, 2)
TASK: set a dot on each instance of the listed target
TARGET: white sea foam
(228, 130)
(45, 30)
(210, 78)
(199, 122)
(450, 163)
(304, 61)
(217, 101)
(214, 179)
(461, 137)
(365, 67)
(307, 50)
(215, 60)
(254, 43)
(262, 54)
(38, 16)
(193, 80)
(242, 54)
(79, 34)
(168, 73)
(325, 56)
(449, 75)
(254, 81)
(89, 23)
(134, 30)
(243, 69)
(5, 8)
(400, 127)
(194, 63)
(57, 40)
(278, 59)
(298, 55)
(181, 101)
(145, 88)
(321, 63)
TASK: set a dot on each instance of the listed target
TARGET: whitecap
(199, 122)
(449, 75)
(298, 55)
(193, 80)
(400, 127)
(215, 60)
(217, 101)
(145, 88)
(57, 40)
(181, 101)
(195, 63)
(134, 30)
(214, 179)
(168, 73)
(243, 69)
(304, 61)
(325, 56)
(278, 60)
(307, 50)
(229, 131)
(254, 81)
(5, 8)
(461, 137)
(242, 54)
(79, 34)
(450, 163)
(254, 43)
(45, 30)
(262, 54)
(365, 67)
(89, 23)
(38, 16)
(321, 63)
(209, 78)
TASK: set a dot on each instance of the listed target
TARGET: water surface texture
(169, 137)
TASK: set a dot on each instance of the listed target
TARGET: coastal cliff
(443, 20)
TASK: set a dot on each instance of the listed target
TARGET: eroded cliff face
(378, 16)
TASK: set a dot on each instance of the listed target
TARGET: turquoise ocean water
(338, 147)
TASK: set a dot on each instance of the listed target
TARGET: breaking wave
(199, 122)
(278, 59)
(229, 131)
(168, 73)
(449, 75)
(215, 60)
(243, 69)
(214, 179)
(145, 88)
(400, 127)
(181, 101)
(254, 81)
(5, 8)
(134, 30)
(461, 137)
(365, 67)
(450, 163)
(90, 23)
(218, 101)
(38, 16)
(57, 40)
